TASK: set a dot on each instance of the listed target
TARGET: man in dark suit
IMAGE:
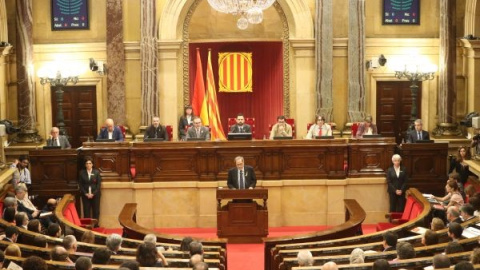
(418, 134)
(453, 215)
(11, 234)
(240, 127)
(156, 131)
(389, 241)
(110, 131)
(58, 140)
(241, 177)
(198, 131)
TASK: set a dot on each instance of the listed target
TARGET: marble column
(472, 67)
(3, 22)
(324, 58)
(4, 51)
(447, 92)
(116, 99)
(25, 77)
(356, 60)
(149, 58)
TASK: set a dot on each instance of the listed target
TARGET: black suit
(249, 176)
(23, 208)
(241, 129)
(94, 182)
(156, 132)
(412, 136)
(397, 202)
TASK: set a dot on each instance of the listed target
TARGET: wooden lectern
(242, 220)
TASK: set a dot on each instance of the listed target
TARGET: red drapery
(265, 103)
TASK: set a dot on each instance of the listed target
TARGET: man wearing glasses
(58, 140)
(319, 129)
(197, 130)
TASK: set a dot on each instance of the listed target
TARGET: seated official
(240, 127)
(156, 131)
(241, 177)
(58, 140)
(198, 131)
(418, 134)
(281, 128)
(366, 128)
(319, 129)
(110, 131)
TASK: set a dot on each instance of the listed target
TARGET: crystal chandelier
(250, 11)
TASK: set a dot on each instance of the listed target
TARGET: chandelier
(250, 11)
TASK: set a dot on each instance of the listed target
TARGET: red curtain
(265, 103)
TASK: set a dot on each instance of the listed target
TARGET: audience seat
(71, 215)
(289, 121)
(248, 120)
(412, 210)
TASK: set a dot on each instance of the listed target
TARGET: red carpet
(245, 256)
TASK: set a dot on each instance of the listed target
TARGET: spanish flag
(199, 100)
(216, 128)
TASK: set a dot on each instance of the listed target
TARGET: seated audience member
(101, 255)
(330, 266)
(152, 238)
(40, 240)
(130, 265)
(429, 238)
(437, 224)
(240, 126)
(34, 226)
(453, 247)
(418, 134)
(455, 231)
(281, 128)
(466, 212)
(319, 129)
(185, 244)
(114, 243)
(34, 263)
(441, 261)
(475, 257)
(196, 259)
(156, 131)
(366, 128)
(70, 244)
(9, 215)
(456, 178)
(9, 202)
(186, 121)
(83, 263)
(469, 193)
(389, 241)
(381, 264)
(357, 256)
(304, 258)
(21, 220)
(453, 197)
(196, 248)
(60, 254)
(58, 140)
(198, 130)
(453, 215)
(13, 250)
(110, 131)
(11, 234)
(463, 265)
(200, 266)
(54, 230)
(47, 209)
(147, 255)
(24, 204)
(405, 251)
(88, 237)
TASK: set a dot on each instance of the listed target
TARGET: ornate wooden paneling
(111, 159)
(370, 157)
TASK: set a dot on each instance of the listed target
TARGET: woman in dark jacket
(186, 121)
(397, 179)
(90, 182)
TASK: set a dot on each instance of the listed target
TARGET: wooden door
(80, 113)
(394, 104)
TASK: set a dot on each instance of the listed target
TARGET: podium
(242, 220)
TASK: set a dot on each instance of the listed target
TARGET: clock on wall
(69, 15)
(401, 12)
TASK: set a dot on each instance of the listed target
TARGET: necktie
(320, 132)
(198, 133)
(156, 132)
(241, 129)
(242, 180)
(55, 142)
(419, 136)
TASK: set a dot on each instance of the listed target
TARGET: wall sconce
(98, 66)
(376, 62)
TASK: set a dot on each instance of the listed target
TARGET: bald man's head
(330, 266)
(109, 124)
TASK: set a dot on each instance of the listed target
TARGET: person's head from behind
(150, 238)
(70, 243)
(54, 230)
(34, 226)
(13, 250)
(466, 211)
(463, 265)
(452, 213)
(131, 265)
(330, 266)
(455, 230)
(88, 237)
(51, 204)
(441, 261)
(196, 248)
(83, 263)
(11, 232)
(389, 239)
(9, 214)
(357, 256)
(10, 202)
(101, 255)
(40, 240)
(200, 266)
(185, 244)
(429, 238)
(196, 259)
(453, 247)
(475, 257)
(114, 242)
(437, 224)
(405, 251)
(34, 263)
(21, 219)
(59, 254)
(304, 258)
(381, 264)
(147, 255)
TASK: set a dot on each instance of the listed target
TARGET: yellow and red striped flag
(199, 100)
(216, 128)
(235, 72)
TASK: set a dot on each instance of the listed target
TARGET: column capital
(6, 50)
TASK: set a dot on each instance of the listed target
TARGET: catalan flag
(235, 72)
(199, 100)
(216, 128)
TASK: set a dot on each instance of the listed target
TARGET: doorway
(394, 104)
(80, 113)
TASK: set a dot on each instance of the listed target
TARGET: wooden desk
(370, 157)
(111, 159)
(242, 221)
